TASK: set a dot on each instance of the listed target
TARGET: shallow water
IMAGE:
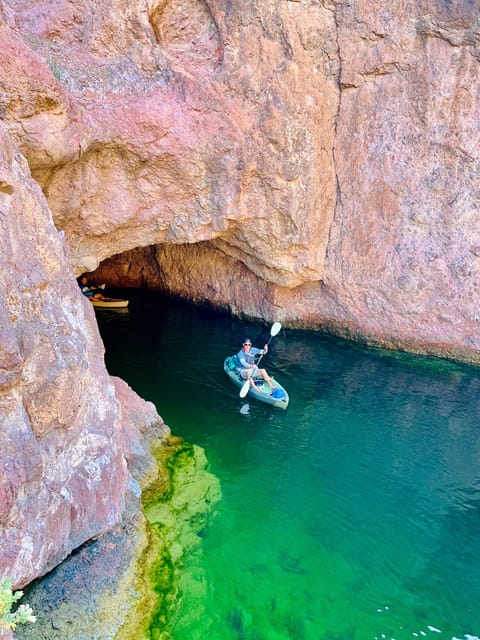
(352, 515)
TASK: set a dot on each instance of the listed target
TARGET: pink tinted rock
(180, 142)
(314, 163)
(63, 459)
(331, 149)
(400, 262)
(397, 252)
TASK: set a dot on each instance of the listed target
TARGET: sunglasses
(247, 344)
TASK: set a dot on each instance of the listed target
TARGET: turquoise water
(354, 514)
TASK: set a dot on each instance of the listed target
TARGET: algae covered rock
(179, 518)
(126, 584)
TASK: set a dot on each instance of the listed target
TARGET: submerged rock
(127, 581)
(180, 517)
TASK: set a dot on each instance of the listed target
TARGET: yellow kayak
(109, 303)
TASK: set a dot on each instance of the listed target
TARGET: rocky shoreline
(117, 586)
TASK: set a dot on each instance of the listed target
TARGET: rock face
(312, 161)
(327, 151)
(403, 250)
(163, 126)
(315, 162)
(67, 430)
(136, 568)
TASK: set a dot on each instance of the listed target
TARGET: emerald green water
(352, 515)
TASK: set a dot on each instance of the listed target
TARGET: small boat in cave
(109, 303)
(277, 397)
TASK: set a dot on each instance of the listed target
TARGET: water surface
(352, 515)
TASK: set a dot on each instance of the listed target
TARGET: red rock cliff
(326, 151)
(66, 427)
(315, 162)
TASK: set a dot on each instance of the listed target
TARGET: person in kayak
(246, 357)
(90, 292)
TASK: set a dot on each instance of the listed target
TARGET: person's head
(84, 280)
(247, 343)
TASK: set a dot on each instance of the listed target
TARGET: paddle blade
(276, 326)
(244, 389)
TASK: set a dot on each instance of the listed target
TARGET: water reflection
(358, 506)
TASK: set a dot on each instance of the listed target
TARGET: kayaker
(246, 357)
(90, 292)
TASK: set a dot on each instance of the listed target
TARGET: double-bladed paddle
(276, 326)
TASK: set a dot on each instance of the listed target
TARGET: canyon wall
(313, 161)
(326, 151)
(68, 431)
(403, 253)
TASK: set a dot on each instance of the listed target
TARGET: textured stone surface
(402, 256)
(134, 569)
(354, 201)
(314, 162)
(65, 436)
(180, 122)
(88, 596)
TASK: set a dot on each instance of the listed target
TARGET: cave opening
(199, 273)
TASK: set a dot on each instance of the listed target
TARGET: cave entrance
(199, 273)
